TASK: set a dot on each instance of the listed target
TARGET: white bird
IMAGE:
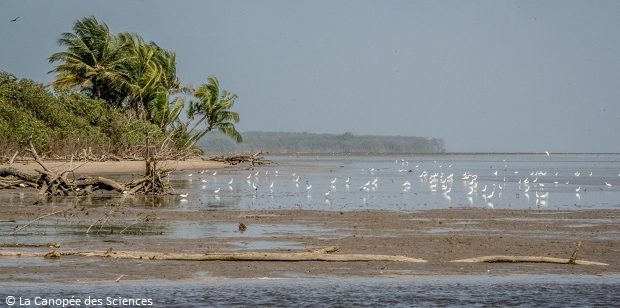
(347, 181)
(256, 174)
(607, 184)
(297, 179)
(308, 187)
(406, 183)
(334, 180)
(217, 191)
(271, 185)
(22, 185)
(491, 195)
(543, 196)
(485, 188)
(249, 176)
(578, 189)
(471, 191)
(190, 174)
(203, 180)
(254, 187)
(367, 183)
(590, 173)
(183, 195)
(231, 181)
(215, 173)
(327, 193)
(547, 152)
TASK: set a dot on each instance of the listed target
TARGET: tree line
(288, 142)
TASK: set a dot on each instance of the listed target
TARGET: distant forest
(285, 142)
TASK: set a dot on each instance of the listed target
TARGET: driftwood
(235, 159)
(52, 183)
(316, 255)
(19, 245)
(532, 259)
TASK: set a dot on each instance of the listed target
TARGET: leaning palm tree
(92, 60)
(213, 108)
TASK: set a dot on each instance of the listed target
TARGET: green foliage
(67, 122)
(213, 108)
(123, 69)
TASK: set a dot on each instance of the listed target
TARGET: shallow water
(477, 291)
(392, 172)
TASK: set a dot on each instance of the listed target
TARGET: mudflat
(438, 236)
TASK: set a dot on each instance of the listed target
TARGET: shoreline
(120, 167)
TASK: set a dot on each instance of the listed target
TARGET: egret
(308, 187)
(217, 191)
(297, 179)
(607, 184)
(190, 174)
(231, 181)
(271, 185)
(215, 173)
(547, 152)
(249, 176)
(348, 180)
(334, 180)
(183, 195)
(578, 189)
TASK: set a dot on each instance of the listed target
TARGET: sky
(498, 76)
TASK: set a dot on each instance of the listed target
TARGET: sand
(438, 236)
(121, 167)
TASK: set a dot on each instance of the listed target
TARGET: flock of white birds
(438, 180)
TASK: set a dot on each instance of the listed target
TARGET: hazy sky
(484, 75)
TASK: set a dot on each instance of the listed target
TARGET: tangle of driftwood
(53, 183)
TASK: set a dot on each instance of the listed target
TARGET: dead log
(101, 183)
(236, 256)
(19, 245)
(6, 171)
(530, 259)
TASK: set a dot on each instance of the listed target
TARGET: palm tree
(92, 60)
(149, 71)
(214, 108)
(165, 112)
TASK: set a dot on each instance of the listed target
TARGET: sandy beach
(120, 167)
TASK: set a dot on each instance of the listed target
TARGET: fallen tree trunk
(531, 259)
(6, 171)
(236, 256)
